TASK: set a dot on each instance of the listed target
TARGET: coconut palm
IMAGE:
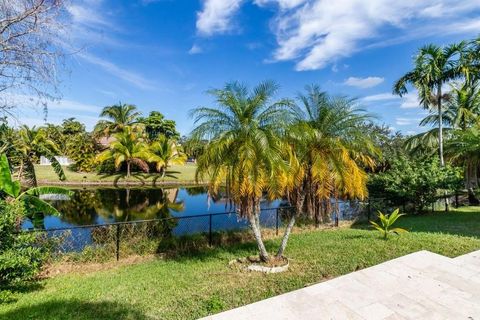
(119, 116)
(330, 149)
(29, 146)
(244, 150)
(128, 147)
(166, 152)
(434, 66)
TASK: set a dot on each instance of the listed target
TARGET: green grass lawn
(191, 286)
(175, 173)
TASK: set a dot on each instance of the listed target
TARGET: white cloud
(407, 101)
(316, 33)
(410, 101)
(380, 97)
(363, 83)
(216, 16)
(29, 110)
(126, 75)
(195, 49)
(283, 4)
(402, 121)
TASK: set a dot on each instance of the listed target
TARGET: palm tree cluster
(448, 83)
(132, 145)
(308, 151)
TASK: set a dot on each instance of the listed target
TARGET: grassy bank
(194, 285)
(184, 174)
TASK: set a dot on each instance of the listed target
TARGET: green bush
(20, 257)
(418, 182)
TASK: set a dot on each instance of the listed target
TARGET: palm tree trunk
(440, 134)
(254, 224)
(128, 169)
(286, 235)
(440, 124)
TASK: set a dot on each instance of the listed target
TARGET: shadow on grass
(461, 222)
(238, 243)
(74, 309)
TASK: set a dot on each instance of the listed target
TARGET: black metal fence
(119, 239)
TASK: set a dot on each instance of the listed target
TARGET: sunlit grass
(191, 286)
(175, 173)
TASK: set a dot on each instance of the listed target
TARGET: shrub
(20, 257)
(414, 181)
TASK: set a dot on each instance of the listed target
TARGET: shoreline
(120, 183)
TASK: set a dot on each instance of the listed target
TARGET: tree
(30, 145)
(128, 147)
(71, 126)
(156, 124)
(433, 67)
(414, 180)
(10, 190)
(244, 150)
(30, 52)
(330, 145)
(119, 117)
(82, 148)
(166, 152)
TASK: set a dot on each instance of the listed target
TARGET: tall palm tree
(166, 152)
(331, 149)
(433, 67)
(119, 116)
(30, 145)
(244, 150)
(128, 147)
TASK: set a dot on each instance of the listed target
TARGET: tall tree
(166, 152)
(119, 116)
(433, 67)
(30, 53)
(331, 149)
(156, 124)
(128, 147)
(30, 145)
(244, 150)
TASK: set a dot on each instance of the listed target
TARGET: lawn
(188, 287)
(175, 174)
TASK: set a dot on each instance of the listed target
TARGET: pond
(184, 210)
(107, 205)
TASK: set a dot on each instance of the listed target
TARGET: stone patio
(421, 285)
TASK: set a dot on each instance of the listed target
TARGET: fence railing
(116, 239)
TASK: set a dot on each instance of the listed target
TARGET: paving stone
(421, 285)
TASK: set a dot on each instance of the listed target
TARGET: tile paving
(421, 285)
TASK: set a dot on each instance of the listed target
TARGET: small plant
(386, 223)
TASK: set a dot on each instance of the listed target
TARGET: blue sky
(164, 54)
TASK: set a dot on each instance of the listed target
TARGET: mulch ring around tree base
(254, 263)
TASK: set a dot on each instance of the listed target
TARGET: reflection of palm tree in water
(138, 204)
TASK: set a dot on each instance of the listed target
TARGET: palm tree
(30, 145)
(128, 147)
(11, 191)
(434, 66)
(166, 152)
(244, 150)
(330, 147)
(119, 115)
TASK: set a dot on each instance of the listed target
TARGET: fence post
(276, 222)
(210, 230)
(369, 209)
(117, 247)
